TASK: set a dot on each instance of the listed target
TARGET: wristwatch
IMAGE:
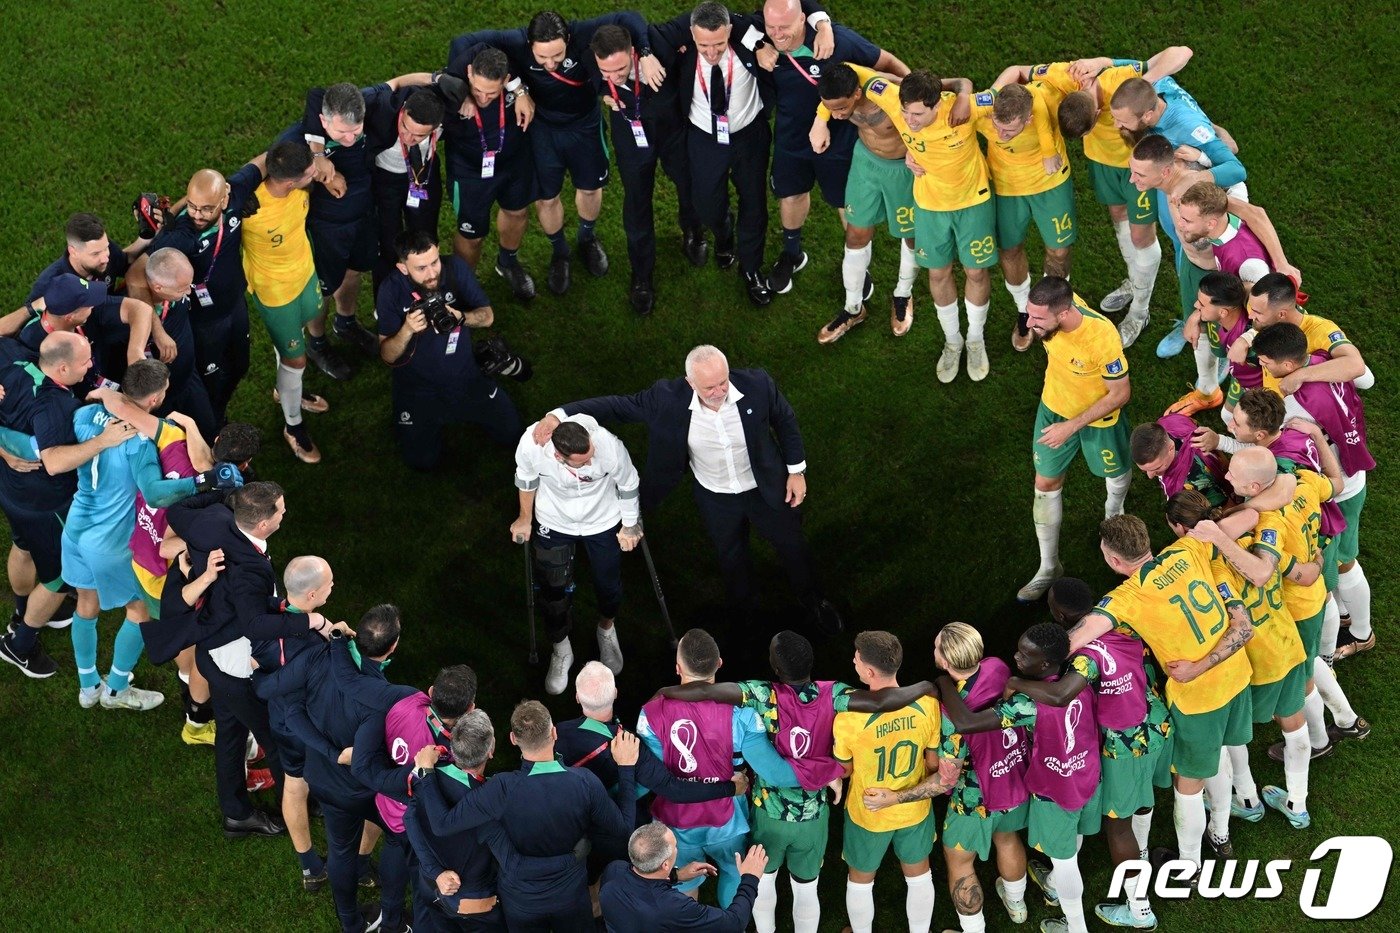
(420, 773)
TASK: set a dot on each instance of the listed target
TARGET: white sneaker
(559, 663)
(977, 365)
(132, 698)
(1118, 299)
(1015, 910)
(1039, 583)
(1132, 326)
(947, 368)
(609, 651)
(88, 697)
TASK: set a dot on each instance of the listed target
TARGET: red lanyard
(563, 80)
(432, 148)
(728, 81)
(800, 70)
(636, 88)
(481, 130)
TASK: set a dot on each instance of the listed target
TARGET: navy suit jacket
(770, 430)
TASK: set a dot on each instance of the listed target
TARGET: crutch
(660, 596)
(530, 598)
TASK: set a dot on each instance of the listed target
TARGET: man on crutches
(579, 487)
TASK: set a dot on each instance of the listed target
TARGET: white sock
(1218, 793)
(976, 321)
(1355, 591)
(1016, 890)
(918, 902)
(765, 905)
(1048, 511)
(860, 906)
(1020, 294)
(1297, 753)
(1117, 494)
(1190, 819)
(289, 391)
(1333, 695)
(1142, 829)
(908, 269)
(948, 320)
(1206, 383)
(855, 263)
(1312, 712)
(976, 923)
(806, 906)
(1244, 785)
(1069, 885)
(1123, 233)
(1143, 275)
(1331, 627)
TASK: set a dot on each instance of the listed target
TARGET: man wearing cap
(120, 326)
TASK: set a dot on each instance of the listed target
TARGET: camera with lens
(494, 357)
(439, 316)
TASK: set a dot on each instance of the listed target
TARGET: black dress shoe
(594, 257)
(559, 275)
(521, 285)
(257, 823)
(724, 246)
(643, 298)
(759, 292)
(694, 247)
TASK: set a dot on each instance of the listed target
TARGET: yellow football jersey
(276, 250)
(1017, 166)
(955, 174)
(1276, 647)
(887, 750)
(1302, 521)
(1103, 144)
(1323, 335)
(1080, 364)
(1176, 605)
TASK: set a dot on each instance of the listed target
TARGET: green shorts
(802, 846)
(969, 232)
(1162, 764)
(1349, 541)
(1055, 831)
(1330, 562)
(864, 850)
(1310, 630)
(1105, 450)
(880, 191)
(285, 322)
(968, 832)
(1126, 785)
(1052, 211)
(1283, 697)
(1188, 279)
(1200, 736)
(1112, 185)
(152, 604)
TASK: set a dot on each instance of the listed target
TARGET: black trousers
(344, 820)
(637, 169)
(728, 517)
(394, 215)
(237, 711)
(566, 912)
(744, 163)
(419, 419)
(221, 345)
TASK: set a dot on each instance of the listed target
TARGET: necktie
(415, 159)
(719, 103)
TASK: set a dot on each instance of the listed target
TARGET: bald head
(1254, 465)
(65, 357)
(784, 23)
(169, 270)
(308, 581)
(205, 185)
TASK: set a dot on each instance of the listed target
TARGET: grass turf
(922, 491)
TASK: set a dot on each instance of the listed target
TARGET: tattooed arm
(1240, 631)
(935, 785)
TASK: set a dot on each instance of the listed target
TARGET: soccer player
(1081, 410)
(1088, 85)
(989, 802)
(890, 752)
(38, 401)
(1065, 767)
(704, 739)
(797, 72)
(580, 488)
(1165, 108)
(282, 284)
(1174, 604)
(1029, 165)
(879, 189)
(97, 535)
(1163, 450)
(1203, 213)
(1274, 298)
(1337, 408)
(489, 160)
(1219, 317)
(954, 213)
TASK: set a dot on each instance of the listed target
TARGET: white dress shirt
(233, 658)
(744, 100)
(719, 455)
(392, 160)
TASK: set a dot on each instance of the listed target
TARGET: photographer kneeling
(427, 308)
